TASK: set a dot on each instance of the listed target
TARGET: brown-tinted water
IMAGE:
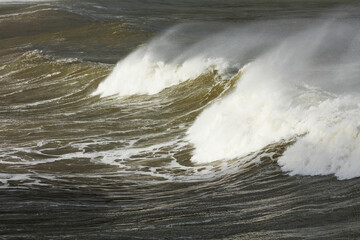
(222, 120)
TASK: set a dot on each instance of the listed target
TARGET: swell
(49, 17)
(41, 95)
(34, 78)
(63, 31)
(56, 131)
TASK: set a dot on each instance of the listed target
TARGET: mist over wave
(297, 84)
(185, 52)
(304, 88)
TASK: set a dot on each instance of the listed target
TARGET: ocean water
(179, 119)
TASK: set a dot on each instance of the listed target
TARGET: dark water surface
(75, 165)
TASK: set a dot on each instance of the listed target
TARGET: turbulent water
(176, 120)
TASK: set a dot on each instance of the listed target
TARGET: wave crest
(292, 91)
(143, 75)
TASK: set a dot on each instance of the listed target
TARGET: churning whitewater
(300, 88)
(179, 119)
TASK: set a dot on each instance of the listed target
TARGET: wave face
(164, 62)
(305, 88)
(141, 74)
(298, 86)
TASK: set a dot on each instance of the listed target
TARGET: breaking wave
(300, 87)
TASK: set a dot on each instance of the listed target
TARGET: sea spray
(292, 91)
(143, 75)
(184, 53)
(298, 84)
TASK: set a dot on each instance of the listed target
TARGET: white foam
(5, 178)
(288, 94)
(172, 58)
(141, 74)
(299, 85)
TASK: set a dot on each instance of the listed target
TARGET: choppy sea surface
(179, 119)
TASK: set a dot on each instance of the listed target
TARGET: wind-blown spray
(298, 84)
